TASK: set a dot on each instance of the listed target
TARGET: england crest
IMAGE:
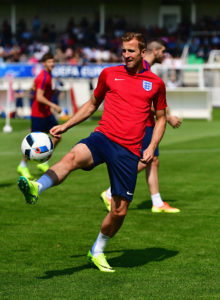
(147, 85)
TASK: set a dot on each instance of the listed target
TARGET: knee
(119, 213)
(155, 161)
(141, 166)
(69, 160)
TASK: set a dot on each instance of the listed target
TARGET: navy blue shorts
(19, 102)
(147, 140)
(121, 163)
(43, 124)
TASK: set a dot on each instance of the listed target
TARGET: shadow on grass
(5, 184)
(147, 204)
(128, 259)
(68, 271)
(139, 257)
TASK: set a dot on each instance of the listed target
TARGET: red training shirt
(150, 120)
(44, 82)
(127, 106)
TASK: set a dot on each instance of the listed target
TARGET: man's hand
(148, 155)
(56, 131)
(42, 99)
(174, 121)
(57, 108)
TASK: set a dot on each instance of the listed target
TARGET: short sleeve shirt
(44, 82)
(127, 106)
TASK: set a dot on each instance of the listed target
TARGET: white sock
(23, 163)
(156, 200)
(108, 193)
(99, 245)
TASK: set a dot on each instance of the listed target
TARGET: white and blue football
(37, 146)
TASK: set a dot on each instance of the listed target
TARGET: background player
(19, 95)
(155, 54)
(129, 92)
(41, 115)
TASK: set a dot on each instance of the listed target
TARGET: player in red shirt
(41, 116)
(155, 54)
(129, 91)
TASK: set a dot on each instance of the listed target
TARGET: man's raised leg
(79, 157)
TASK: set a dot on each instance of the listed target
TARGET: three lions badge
(147, 85)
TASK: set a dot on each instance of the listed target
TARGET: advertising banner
(63, 71)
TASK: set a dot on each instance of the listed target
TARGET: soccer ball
(37, 146)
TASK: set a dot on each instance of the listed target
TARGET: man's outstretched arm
(83, 113)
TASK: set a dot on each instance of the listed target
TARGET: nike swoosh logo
(119, 79)
(128, 193)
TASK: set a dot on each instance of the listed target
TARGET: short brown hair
(47, 56)
(155, 43)
(128, 36)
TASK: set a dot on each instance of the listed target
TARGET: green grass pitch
(156, 256)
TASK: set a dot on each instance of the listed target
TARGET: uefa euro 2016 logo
(147, 85)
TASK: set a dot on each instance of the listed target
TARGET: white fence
(192, 90)
(81, 89)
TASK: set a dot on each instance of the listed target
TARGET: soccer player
(19, 95)
(41, 117)
(129, 91)
(155, 54)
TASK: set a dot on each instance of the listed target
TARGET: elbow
(92, 109)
